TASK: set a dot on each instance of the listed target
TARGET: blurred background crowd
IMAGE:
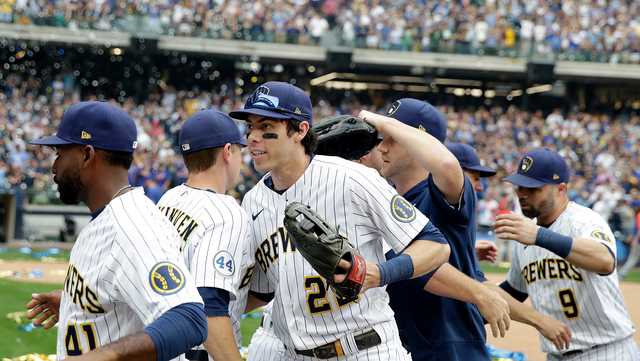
(598, 30)
(603, 149)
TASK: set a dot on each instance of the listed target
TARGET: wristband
(397, 269)
(554, 242)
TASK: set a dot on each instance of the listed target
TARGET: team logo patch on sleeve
(402, 210)
(597, 234)
(166, 278)
(223, 262)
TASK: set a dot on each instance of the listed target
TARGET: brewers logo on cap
(394, 107)
(526, 164)
(85, 135)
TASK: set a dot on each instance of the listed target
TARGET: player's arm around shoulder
(427, 150)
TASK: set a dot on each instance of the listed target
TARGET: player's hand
(555, 331)
(377, 120)
(495, 310)
(487, 251)
(516, 227)
(44, 309)
(372, 278)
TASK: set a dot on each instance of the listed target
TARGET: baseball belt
(577, 352)
(197, 355)
(334, 349)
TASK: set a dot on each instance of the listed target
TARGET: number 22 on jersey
(317, 301)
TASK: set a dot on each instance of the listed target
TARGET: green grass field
(14, 254)
(15, 342)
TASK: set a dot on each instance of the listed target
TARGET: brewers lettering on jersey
(307, 316)
(565, 261)
(124, 272)
(126, 281)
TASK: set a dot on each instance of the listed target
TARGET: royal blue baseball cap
(469, 160)
(209, 129)
(99, 124)
(420, 114)
(539, 167)
(276, 100)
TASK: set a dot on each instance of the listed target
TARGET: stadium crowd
(603, 150)
(607, 31)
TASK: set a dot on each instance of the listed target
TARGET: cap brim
(524, 181)
(245, 113)
(52, 141)
(482, 170)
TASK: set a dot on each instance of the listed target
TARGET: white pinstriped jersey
(124, 272)
(215, 232)
(590, 304)
(366, 209)
(265, 345)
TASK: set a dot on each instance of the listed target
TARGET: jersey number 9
(568, 302)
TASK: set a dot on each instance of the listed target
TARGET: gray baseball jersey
(352, 197)
(590, 304)
(125, 270)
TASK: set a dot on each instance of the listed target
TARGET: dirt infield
(33, 271)
(519, 338)
(525, 338)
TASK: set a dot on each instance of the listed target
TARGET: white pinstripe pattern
(358, 201)
(222, 228)
(602, 316)
(265, 345)
(114, 254)
(622, 350)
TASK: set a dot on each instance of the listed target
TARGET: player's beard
(70, 188)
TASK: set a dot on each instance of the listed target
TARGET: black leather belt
(577, 352)
(334, 349)
(197, 355)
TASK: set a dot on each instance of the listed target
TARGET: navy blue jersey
(434, 327)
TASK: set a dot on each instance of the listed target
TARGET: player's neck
(408, 179)
(213, 179)
(548, 219)
(287, 174)
(102, 191)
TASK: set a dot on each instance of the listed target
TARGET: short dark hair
(118, 159)
(201, 160)
(310, 140)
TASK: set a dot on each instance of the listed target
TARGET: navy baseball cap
(539, 167)
(276, 100)
(99, 124)
(420, 114)
(209, 129)
(469, 160)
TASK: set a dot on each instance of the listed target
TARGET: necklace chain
(120, 190)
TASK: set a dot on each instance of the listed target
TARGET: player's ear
(88, 154)
(303, 129)
(226, 152)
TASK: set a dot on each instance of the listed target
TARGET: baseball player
(434, 181)
(307, 316)
(475, 171)
(212, 225)
(127, 293)
(565, 261)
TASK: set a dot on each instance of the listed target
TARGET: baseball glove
(323, 247)
(345, 136)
